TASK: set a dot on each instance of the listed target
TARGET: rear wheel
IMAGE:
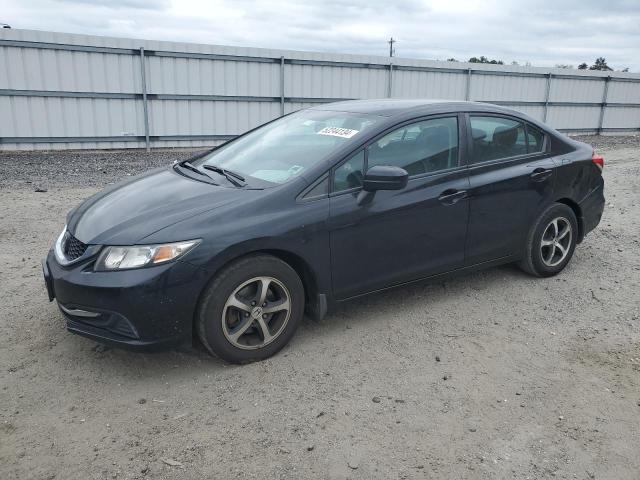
(551, 241)
(251, 309)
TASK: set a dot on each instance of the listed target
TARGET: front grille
(73, 248)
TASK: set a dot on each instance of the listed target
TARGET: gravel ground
(97, 168)
(491, 375)
(80, 168)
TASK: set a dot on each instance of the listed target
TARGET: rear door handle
(451, 196)
(541, 174)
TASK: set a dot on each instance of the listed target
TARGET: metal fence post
(467, 95)
(390, 86)
(144, 98)
(546, 97)
(281, 86)
(604, 103)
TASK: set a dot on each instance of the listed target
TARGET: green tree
(601, 64)
(483, 59)
(583, 66)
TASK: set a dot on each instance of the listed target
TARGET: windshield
(287, 147)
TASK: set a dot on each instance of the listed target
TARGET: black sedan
(314, 208)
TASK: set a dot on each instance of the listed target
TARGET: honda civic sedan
(234, 246)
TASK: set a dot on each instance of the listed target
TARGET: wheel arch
(315, 300)
(578, 213)
(302, 268)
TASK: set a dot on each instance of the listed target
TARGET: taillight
(598, 160)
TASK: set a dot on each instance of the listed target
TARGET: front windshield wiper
(233, 177)
(190, 166)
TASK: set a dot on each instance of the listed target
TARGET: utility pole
(391, 49)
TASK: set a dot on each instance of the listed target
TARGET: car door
(511, 179)
(400, 235)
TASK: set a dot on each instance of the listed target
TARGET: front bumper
(144, 308)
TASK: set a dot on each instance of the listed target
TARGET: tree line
(599, 64)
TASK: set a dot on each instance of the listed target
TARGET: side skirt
(449, 274)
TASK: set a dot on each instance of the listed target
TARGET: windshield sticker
(275, 176)
(338, 132)
(295, 170)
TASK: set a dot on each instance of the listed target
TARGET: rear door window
(495, 138)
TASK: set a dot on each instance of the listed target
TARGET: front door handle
(541, 174)
(451, 196)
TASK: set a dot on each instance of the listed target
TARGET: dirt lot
(492, 375)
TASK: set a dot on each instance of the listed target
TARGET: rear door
(405, 234)
(511, 179)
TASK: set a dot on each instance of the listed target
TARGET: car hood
(129, 211)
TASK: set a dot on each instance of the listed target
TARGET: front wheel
(551, 241)
(251, 309)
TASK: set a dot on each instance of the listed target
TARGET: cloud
(122, 4)
(543, 32)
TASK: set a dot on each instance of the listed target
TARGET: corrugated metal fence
(75, 91)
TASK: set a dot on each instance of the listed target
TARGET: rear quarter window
(536, 139)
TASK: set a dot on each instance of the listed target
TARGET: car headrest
(478, 134)
(505, 136)
(437, 134)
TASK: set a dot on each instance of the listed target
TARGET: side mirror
(385, 178)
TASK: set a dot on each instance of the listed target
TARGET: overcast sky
(543, 32)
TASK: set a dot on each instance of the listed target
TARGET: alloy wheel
(556, 241)
(256, 313)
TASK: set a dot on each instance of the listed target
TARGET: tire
(552, 257)
(231, 323)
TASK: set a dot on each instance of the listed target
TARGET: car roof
(391, 107)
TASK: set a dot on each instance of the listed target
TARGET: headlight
(57, 249)
(136, 256)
